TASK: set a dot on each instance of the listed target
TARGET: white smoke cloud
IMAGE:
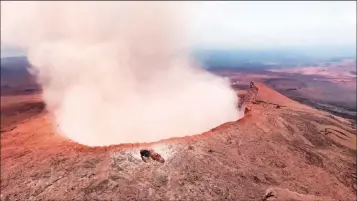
(117, 72)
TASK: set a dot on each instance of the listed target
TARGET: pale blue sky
(274, 24)
(271, 24)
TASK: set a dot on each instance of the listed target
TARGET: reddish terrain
(330, 86)
(280, 150)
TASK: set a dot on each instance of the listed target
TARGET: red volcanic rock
(305, 151)
(157, 157)
(151, 154)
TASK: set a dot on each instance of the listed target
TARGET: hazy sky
(271, 24)
(274, 24)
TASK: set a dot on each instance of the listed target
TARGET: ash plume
(117, 72)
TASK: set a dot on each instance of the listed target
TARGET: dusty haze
(117, 72)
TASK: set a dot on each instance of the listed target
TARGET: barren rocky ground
(281, 150)
(330, 86)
